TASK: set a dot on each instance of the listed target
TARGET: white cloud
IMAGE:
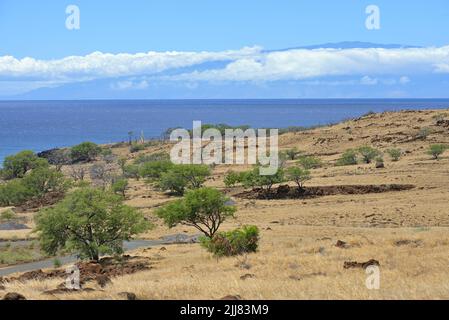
(130, 85)
(246, 64)
(368, 81)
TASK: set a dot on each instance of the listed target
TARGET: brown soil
(287, 192)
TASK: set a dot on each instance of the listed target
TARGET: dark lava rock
(128, 295)
(13, 296)
(341, 244)
(56, 156)
(247, 276)
(362, 265)
(232, 297)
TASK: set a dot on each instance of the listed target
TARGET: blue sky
(216, 43)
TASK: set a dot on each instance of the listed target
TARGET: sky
(166, 49)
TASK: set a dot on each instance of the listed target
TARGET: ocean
(42, 125)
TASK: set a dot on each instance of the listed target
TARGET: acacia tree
(204, 208)
(368, 153)
(298, 175)
(16, 166)
(89, 222)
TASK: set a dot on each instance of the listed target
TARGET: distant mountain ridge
(348, 45)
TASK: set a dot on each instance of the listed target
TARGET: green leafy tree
(436, 150)
(43, 180)
(85, 152)
(182, 176)
(14, 193)
(131, 171)
(255, 179)
(231, 179)
(349, 157)
(298, 175)
(310, 162)
(173, 182)
(16, 166)
(292, 153)
(119, 187)
(90, 222)
(153, 170)
(368, 153)
(395, 154)
(204, 209)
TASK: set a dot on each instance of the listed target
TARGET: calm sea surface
(42, 125)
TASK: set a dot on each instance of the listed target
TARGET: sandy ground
(405, 231)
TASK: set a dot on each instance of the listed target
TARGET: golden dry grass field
(406, 231)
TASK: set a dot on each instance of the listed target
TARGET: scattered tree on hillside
(89, 222)
(205, 209)
(436, 150)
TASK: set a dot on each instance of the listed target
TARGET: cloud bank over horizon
(251, 66)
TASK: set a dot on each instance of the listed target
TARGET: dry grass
(297, 257)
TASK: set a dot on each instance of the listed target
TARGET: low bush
(348, 158)
(298, 175)
(233, 243)
(395, 154)
(84, 152)
(368, 153)
(231, 179)
(310, 162)
(35, 184)
(136, 147)
(119, 187)
(436, 150)
(16, 166)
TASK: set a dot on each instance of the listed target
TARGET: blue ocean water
(42, 125)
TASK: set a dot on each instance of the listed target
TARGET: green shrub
(348, 158)
(8, 215)
(368, 153)
(436, 150)
(233, 243)
(172, 181)
(231, 179)
(181, 176)
(89, 222)
(84, 152)
(136, 147)
(253, 178)
(119, 187)
(14, 193)
(35, 184)
(153, 170)
(298, 175)
(292, 153)
(131, 171)
(310, 162)
(43, 180)
(395, 154)
(16, 166)
(205, 209)
(158, 156)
